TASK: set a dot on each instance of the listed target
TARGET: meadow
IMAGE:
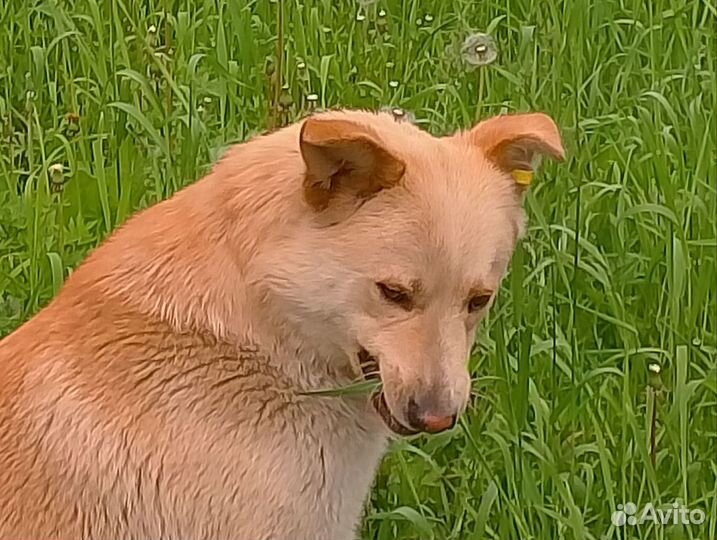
(595, 375)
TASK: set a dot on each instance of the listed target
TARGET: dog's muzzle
(370, 369)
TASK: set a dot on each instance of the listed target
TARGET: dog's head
(403, 243)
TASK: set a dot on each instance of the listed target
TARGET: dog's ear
(515, 143)
(344, 162)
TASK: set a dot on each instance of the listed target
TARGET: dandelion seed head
(57, 177)
(479, 50)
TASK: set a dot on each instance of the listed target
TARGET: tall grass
(135, 99)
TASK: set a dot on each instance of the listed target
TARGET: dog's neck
(187, 262)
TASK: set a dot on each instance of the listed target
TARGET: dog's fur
(163, 393)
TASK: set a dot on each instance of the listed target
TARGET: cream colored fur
(161, 394)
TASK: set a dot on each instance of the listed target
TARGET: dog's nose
(436, 424)
(426, 421)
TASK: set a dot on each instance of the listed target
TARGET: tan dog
(162, 394)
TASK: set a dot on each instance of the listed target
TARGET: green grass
(136, 98)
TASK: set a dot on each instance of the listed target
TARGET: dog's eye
(395, 295)
(478, 302)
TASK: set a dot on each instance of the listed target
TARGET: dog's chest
(286, 477)
(305, 479)
(248, 459)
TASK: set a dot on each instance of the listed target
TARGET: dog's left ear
(345, 162)
(515, 143)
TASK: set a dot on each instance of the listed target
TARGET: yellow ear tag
(522, 176)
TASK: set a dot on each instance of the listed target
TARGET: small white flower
(399, 114)
(654, 368)
(393, 84)
(312, 97)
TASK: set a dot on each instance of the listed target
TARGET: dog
(170, 389)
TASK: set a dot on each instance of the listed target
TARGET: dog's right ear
(345, 162)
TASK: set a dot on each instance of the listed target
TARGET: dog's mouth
(369, 368)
